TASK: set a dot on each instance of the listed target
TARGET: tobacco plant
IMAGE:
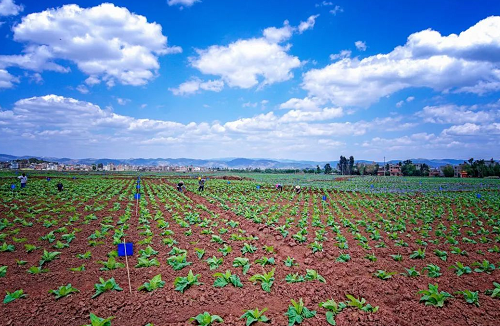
(226, 278)
(183, 283)
(63, 290)
(153, 284)
(254, 316)
(206, 319)
(297, 312)
(266, 280)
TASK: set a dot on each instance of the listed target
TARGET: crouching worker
(60, 186)
(297, 189)
(181, 187)
(279, 187)
(201, 184)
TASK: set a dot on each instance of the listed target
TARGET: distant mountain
(231, 163)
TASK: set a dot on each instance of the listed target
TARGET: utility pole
(384, 166)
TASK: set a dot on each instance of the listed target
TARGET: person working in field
(60, 187)
(181, 187)
(297, 189)
(201, 184)
(279, 187)
(24, 180)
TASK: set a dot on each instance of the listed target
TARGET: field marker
(126, 261)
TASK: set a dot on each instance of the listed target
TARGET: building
(395, 170)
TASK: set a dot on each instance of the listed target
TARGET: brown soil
(397, 297)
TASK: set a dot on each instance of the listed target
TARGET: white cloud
(195, 84)
(360, 45)
(452, 114)
(122, 101)
(241, 63)
(408, 100)
(143, 106)
(9, 8)
(106, 42)
(467, 62)
(308, 24)
(278, 35)
(336, 10)
(7, 80)
(300, 116)
(305, 104)
(187, 3)
(324, 4)
(82, 89)
(343, 54)
(249, 105)
(400, 104)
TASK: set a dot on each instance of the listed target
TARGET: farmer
(23, 179)
(201, 184)
(180, 186)
(297, 189)
(60, 186)
(279, 187)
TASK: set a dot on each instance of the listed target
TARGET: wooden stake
(126, 261)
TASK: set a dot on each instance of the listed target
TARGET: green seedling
(248, 248)
(110, 264)
(63, 291)
(383, 275)
(105, 286)
(461, 269)
(265, 261)
(86, 255)
(206, 319)
(470, 297)
(484, 267)
(297, 312)
(294, 278)
(98, 321)
(333, 308)
(418, 254)
(144, 262)
(199, 252)
(433, 297)
(3, 271)
(48, 257)
(183, 283)
(214, 262)
(312, 275)
(242, 262)
(37, 270)
(226, 278)
(343, 258)
(226, 250)
(9, 297)
(78, 269)
(433, 270)
(495, 293)
(360, 304)
(266, 280)
(289, 262)
(153, 284)
(254, 316)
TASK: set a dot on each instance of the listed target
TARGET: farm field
(354, 251)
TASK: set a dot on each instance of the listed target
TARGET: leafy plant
(110, 264)
(206, 319)
(294, 278)
(397, 257)
(433, 270)
(63, 290)
(248, 248)
(443, 255)
(297, 312)
(98, 321)
(495, 293)
(183, 283)
(312, 275)
(485, 266)
(199, 252)
(144, 262)
(383, 275)
(78, 269)
(86, 255)
(214, 262)
(18, 294)
(433, 297)
(343, 258)
(265, 261)
(7, 247)
(289, 262)
(178, 262)
(266, 280)
(371, 257)
(3, 270)
(242, 262)
(458, 251)
(30, 248)
(153, 284)
(360, 304)
(226, 278)
(418, 254)
(461, 269)
(104, 286)
(48, 256)
(37, 270)
(333, 308)
(470, 297)
(254, 316)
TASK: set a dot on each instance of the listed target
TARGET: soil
(397, 297)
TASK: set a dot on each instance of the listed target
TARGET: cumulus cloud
(360, 45)
(467, 62)
(9, 8)
(7, 80)
(408, 100)
(299, 116)
(453, 114)
(305, 104)
(240, 64)
(105, 42)
(194, 85)
(336, 10)
(278, 35)
(308, 24)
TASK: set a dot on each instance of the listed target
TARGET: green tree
(448, 171)
(318, 169)
(328, 168)
(94, 167)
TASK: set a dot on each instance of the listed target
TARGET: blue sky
(237, 78)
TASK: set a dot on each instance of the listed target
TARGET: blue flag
(137, 196)
(127, 249)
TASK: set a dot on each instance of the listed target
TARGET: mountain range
(231, 163)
